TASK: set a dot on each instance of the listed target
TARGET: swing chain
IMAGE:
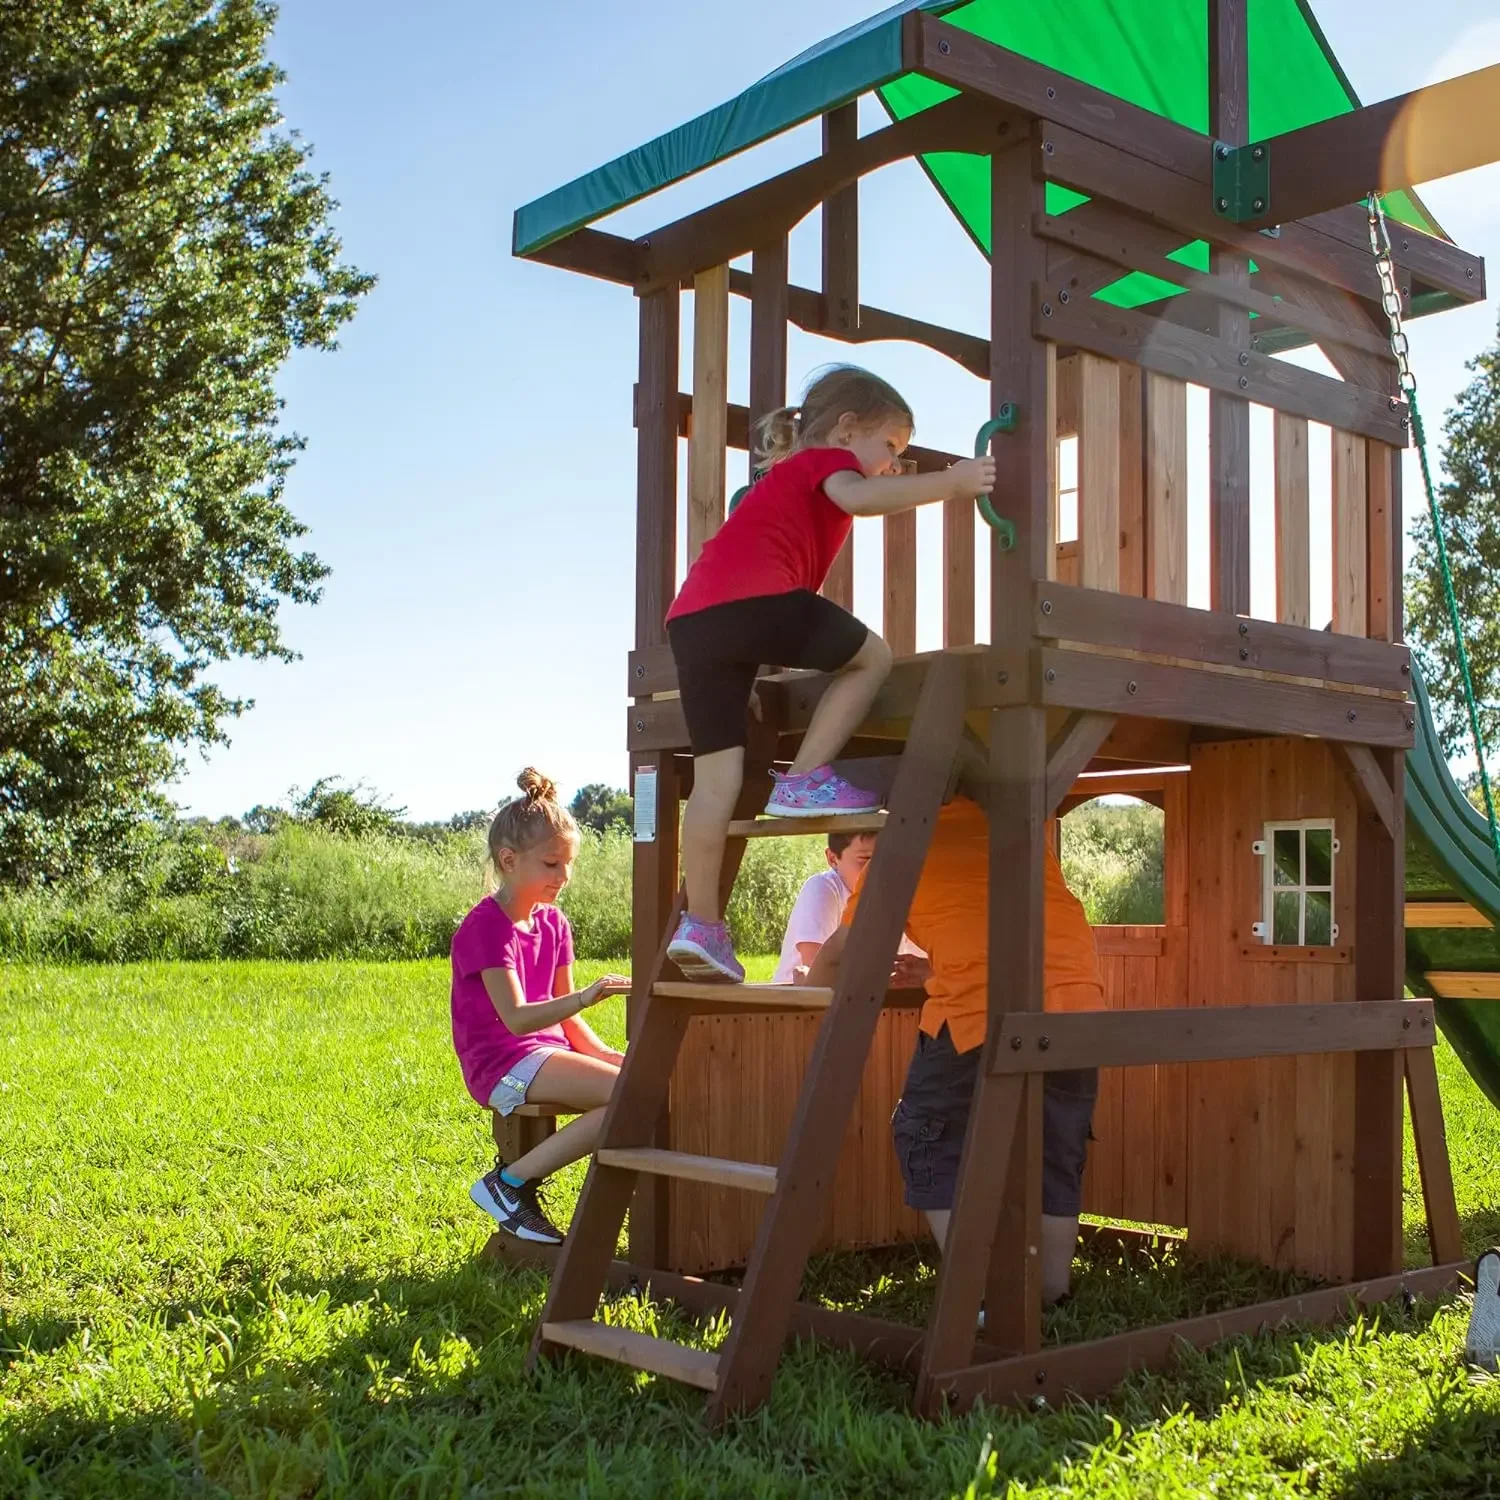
(1390, 295)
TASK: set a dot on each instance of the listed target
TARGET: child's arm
(522, 1018)
(856, 495)
(580, 1035)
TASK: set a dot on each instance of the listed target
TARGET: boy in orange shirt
(949, 919)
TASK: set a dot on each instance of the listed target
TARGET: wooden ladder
(740, 1374)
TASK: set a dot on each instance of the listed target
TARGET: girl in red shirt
(752, 597)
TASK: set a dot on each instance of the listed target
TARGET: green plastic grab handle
(1003, 421)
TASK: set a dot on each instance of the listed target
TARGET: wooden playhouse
(1168, 195)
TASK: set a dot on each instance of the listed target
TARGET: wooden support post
(1293, 568)
(1133, 548)
(1228, 415)
(709, 436)
(839, 585)
(768, 323)
(1099, 473)
(958, 573)
(1166, 488)
(1444, 1231)
(841, 229)
(1074, 746)
(900, 623)
(1351, 558)
(1382, 541)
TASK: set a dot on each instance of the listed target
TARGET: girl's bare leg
(570, 1081)
(840, 711)
(717, 779)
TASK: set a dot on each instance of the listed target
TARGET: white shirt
(815, 918)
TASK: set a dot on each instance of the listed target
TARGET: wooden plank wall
(1270, 1173)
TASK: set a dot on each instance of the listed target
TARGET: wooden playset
(1255, 1042)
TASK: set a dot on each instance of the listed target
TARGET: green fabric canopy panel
(1153, 53)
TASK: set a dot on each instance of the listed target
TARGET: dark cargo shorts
(933, 1114)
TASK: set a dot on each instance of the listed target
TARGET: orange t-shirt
(949, 919)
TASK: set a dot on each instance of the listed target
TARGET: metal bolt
(1393, 403)
(1406, 669)
(1411, 723)
(1244, 382)
(1130, 687)
(1406, 1023)
(1244, 653)
(1048, 147)
(1062, 296)
(1041, 1377)
(640, 726)
(1015, 1044)
(1039, 1404)
(1046, 606)
(1351, 716)
(1470, 273)
(1259, 205)
(1046, 309)
(1222, 204)
(640, 671)
(1050, 674)
(1222, 152)
(1244, 628)
(1043, 1043)
(1406, 244)
(1258, 153)
(945, 47)
(1406, 421)
(1052, 93)
(1002, 678)
(1244, 358)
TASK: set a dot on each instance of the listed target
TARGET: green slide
(1448, 858)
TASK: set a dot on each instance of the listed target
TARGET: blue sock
(510, 1179)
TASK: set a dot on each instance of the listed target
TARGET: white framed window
(1067, 489)
(1297, 884)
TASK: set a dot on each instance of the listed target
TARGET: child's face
(540, 874)
(877, 448)
(851, 863)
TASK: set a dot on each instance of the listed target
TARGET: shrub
(1112, 858)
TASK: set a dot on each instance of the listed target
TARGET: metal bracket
(1241, 181)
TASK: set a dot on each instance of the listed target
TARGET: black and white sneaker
(1482, 1346)
(517, 1210)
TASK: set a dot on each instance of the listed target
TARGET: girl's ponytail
(776, 434)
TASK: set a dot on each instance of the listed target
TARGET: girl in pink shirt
(516, 1024)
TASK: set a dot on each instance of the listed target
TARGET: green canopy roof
(1153, 53)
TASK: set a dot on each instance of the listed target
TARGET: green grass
(237, 1257)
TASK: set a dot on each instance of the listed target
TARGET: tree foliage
(1469, 500)
(163, 249)
(601, 807)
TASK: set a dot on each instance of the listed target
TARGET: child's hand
(972, 477)
(605, 984)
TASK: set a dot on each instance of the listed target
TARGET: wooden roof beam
(1429, 133)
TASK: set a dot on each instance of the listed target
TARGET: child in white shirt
(819, 909)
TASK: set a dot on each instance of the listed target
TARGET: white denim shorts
(511, 1090)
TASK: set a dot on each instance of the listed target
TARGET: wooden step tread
(638, 1350)
(748, 996)
(1444, 914)
(752, 1176)
(1464, 984)
(766, 828)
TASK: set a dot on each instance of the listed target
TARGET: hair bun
(536, 787)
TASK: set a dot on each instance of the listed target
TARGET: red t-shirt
(783, 535)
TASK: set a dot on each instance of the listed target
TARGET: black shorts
(719, 650)
(932, 1117)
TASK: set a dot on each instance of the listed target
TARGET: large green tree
(1469, 500)
(163, 248)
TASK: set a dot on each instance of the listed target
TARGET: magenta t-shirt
(487, 939)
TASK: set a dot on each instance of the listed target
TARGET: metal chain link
(1390, 299)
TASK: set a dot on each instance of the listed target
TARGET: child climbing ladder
(752, 597)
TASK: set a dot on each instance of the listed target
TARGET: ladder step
(638, 1350)
(750, 1175)
(747, 997)
(769, 828)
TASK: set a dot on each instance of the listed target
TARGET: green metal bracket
(1241, 181)
(1004, 420)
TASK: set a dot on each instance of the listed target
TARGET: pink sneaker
(702, 950)
(817, 794)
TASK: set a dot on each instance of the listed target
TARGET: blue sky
(470, 461)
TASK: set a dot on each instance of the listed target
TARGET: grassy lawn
(237, 1257)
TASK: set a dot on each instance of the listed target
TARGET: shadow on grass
(1455, 1457)
(362, 1384)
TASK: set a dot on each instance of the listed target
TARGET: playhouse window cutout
(1297, 884)
(1067, 489)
